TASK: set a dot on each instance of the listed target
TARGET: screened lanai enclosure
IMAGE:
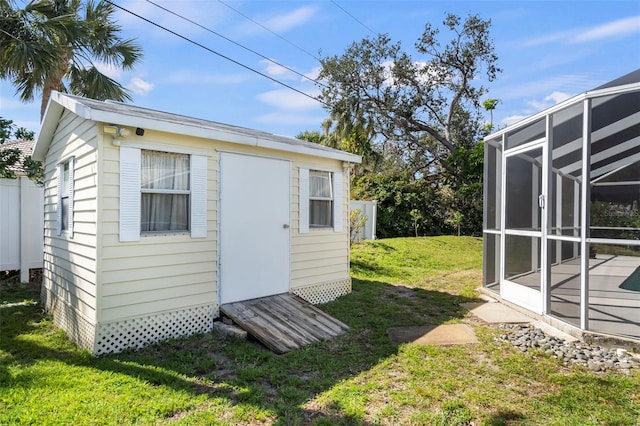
(562, 211)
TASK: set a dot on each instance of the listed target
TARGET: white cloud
(609, 30)
(276, 70)
(109, 70)
(548, 38)
(278, 23)
(549, 100)
(291, 108)
(563, 83)
(620, 28)
(287, 99)
(314, 73)
(139, 86)
(557, 97)
(512, 119)
(290, 20)
(205, 13)
(291, 118)
(532, 106)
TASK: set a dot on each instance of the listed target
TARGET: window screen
(320, 199)
(165, 192)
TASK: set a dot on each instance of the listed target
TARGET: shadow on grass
(244, 372)
(363, 267)
(503, 418)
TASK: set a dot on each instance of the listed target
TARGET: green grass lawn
(361, 378)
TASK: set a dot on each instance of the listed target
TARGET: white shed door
(254, 227)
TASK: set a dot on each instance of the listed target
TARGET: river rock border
(528, 338)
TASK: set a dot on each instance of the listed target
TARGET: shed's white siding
(159, 278)
(319, 258)
(69, 276)
(176, 271)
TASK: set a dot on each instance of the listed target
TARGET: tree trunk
(53, 82)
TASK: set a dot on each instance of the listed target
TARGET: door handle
(285, 226)
(541, 201)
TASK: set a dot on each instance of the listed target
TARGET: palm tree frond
(52, 42)
(91, 83)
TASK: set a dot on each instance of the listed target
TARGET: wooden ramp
(283, 322)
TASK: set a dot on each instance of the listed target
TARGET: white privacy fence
(21, 226)
(366, 209)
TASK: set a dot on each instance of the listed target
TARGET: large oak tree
(420, 108)
(420, 116)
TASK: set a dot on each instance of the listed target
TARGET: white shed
(153, 220)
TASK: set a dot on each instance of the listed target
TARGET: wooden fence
(21, 226)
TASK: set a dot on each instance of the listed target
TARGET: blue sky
(548, 51)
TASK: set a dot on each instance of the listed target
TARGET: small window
(65, 197)
(320, 199)
(164, 187)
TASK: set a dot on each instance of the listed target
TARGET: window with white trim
(320, 199)
(162, 192)
(164, 187)
(65, 197)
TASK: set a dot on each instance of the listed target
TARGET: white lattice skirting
(80, 330)
(133, 333)
(136, 333)
(324, 292)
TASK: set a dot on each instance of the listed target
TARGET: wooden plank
(326, 320)
(278, 326)
(271, 333)
(253, 324)
(329, 325)
(315, 321)
(283, 322)
(303, 334)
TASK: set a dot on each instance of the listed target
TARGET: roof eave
(58, 102)
(217, 134)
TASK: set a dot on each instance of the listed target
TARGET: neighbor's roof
(627, 82)
(26, 149)
(121, 114)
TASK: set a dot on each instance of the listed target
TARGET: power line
(267, 29)
(354, 18)
(234, 42)
(214, 52)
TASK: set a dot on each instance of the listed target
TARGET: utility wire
(272, 32)
(354, 18)
(234, 42)
(214, 52)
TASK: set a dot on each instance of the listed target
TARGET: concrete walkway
(491, 312)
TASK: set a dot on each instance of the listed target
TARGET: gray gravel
(528, 338)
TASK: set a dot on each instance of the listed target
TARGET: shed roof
(120, 114)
